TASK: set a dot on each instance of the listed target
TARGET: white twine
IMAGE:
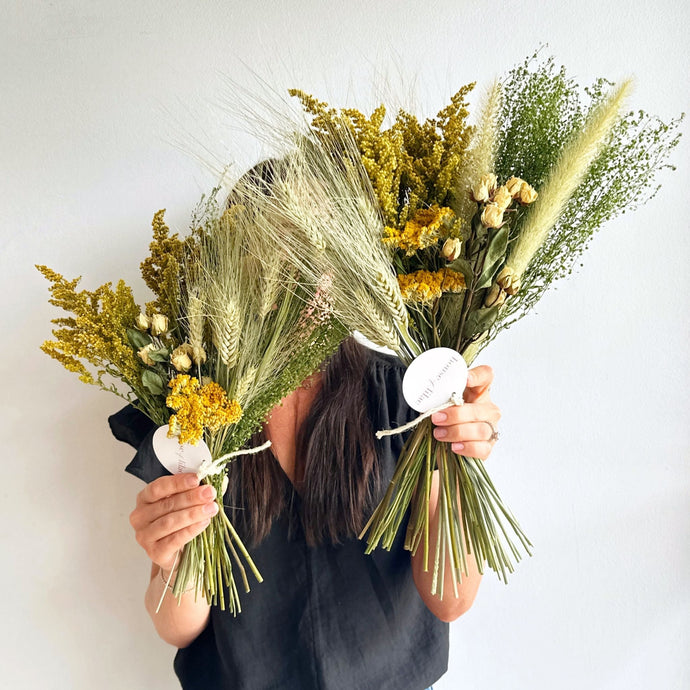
(455, 399)
(211, 467)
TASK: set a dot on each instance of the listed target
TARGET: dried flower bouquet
(227, 337)
(438, 233)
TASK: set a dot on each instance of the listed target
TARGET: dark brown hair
(335, 456)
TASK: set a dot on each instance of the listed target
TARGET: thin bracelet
(171, 587)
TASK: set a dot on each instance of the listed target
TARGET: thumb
(478, 381)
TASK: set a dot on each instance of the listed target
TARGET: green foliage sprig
(542, 109)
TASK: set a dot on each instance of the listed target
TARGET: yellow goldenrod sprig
(97, 333)
(427, 226)
(161, 270)
(412, 165)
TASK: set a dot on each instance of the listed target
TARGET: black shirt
(328, 617)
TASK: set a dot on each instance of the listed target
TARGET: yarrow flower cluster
(427, 286)
(199, 407)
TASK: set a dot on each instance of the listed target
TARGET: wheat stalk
(375, 325)
(226, 333)
(195, 325)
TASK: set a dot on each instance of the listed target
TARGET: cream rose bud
(490, 180)
(514, 185)
(492, 216)
(508, 281)
(527, 194)
(503, 197)
(144, 354)
(181, 361)
(495, 296)
(159, 324)
(143, 323)
(482, 190)
(451, 249)
(198, 354)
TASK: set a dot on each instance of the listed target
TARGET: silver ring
(494, 434)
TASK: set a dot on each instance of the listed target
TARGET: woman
(327, 615)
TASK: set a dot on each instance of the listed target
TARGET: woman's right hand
(170, 512)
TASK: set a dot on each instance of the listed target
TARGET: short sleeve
(132, 426)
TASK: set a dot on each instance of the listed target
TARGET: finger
(163, 551)
(474, 449)
(167, 486)
(465, 433)
(174, 522)
(479, 380)
(147, 513)
(470, 412)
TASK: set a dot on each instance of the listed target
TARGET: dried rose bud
(159, 324)
(195, 352)
(514, 185)
(527, 194)
(144, 354)
(495, 296)
(508, 281)
(198, 354)
(451, 249)
(181, 360)
(492, 215)
(482, 190)
(142, 322)
(503, 197)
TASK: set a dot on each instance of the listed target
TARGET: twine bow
(212, 467)
(455, 399)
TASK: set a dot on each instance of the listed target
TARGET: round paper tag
(178, 457)
(433, 377)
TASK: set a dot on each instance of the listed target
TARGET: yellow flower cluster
(199, 407)
(97, 331)
(427, 286)
(422, 231)
(411, 165)
(161, 270)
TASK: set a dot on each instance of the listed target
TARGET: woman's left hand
(471, 428)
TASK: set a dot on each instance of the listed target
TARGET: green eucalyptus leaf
(462, 266)
(152, 382)
(137, 338)
(480, 321)
(159, 355)
(495, 255)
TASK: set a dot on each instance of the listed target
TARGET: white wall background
(594, 388)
